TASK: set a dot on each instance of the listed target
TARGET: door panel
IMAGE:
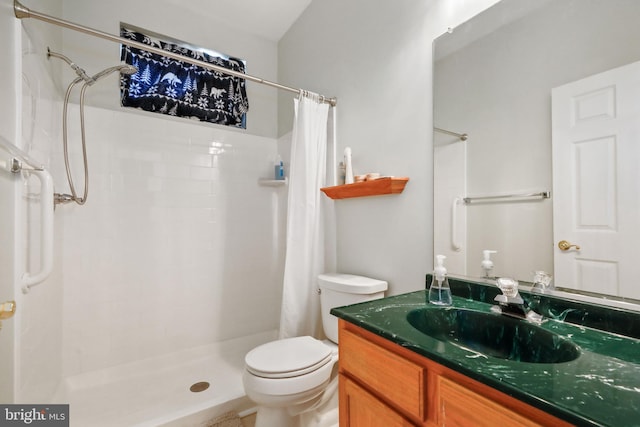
(361, 409)
(596, 140)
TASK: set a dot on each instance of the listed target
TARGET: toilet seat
(287, 358)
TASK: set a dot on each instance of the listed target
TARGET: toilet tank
(337, 290)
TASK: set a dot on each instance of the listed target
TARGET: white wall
(376, 58)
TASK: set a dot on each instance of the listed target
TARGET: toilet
(288, 377)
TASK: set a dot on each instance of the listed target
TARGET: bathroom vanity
(397, 369)
(386, 385)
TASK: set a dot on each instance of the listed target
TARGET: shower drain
(198, 387)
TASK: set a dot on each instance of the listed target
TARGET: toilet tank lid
(350, 283)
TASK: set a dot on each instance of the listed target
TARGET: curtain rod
(22, 11)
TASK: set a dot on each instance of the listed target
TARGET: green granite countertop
(599, 388)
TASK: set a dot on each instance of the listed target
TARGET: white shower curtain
(310, 239)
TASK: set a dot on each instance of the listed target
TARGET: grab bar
(454, 224)
(540, 195)
(462, 136)
(20, 162)
(46, 232)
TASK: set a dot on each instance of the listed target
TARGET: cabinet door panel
(361, 409)
(401, 381)
(461, 407)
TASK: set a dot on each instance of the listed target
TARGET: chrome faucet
(510, 303)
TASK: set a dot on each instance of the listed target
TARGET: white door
(596, 182)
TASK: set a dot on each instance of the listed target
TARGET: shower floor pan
(156, 392)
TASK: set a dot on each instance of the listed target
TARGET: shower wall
(178, 245)
(159, 258)
(39, 340)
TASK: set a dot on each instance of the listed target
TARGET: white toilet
(291, 376)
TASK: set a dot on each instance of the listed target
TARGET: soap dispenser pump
(487, 264)
(439, 291)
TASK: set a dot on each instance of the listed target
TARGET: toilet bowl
(288, 377)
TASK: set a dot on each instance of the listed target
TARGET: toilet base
(289, 412)
(283, 411)
(269, 417)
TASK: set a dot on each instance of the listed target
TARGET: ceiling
(269, 19)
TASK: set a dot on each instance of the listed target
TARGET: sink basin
(493, 335)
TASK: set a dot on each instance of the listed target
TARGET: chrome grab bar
(539, 195)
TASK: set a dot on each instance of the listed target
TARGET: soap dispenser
(439, 291)
(487, 264)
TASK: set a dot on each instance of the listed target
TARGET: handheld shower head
(128, 69)
(123, 69)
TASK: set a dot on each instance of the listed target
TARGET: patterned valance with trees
(168, 86)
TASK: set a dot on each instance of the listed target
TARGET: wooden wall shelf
(367, 188)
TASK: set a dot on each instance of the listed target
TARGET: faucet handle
(511, 303)
(509, 289)
(541, 282)
(508, 286)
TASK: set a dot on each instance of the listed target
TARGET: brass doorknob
(7, 309)
(565, 246)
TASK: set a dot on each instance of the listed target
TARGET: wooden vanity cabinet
(383, 384)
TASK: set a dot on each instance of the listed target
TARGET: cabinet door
(358, 408)
(461, 407)
(379, 369)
